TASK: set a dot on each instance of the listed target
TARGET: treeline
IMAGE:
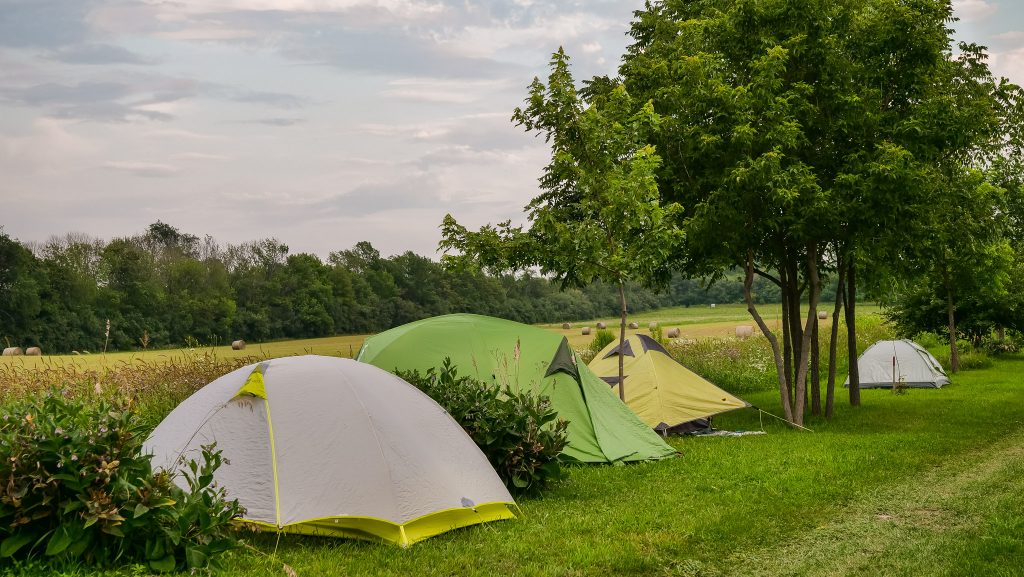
(169, 288)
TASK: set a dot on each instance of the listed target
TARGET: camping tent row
(328, 446)
(887, 362)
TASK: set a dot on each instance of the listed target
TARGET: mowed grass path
(928, 483)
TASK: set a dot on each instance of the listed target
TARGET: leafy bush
(519, 433)
(75, 486)
(970, 359)
(601, 340)
(997, 346)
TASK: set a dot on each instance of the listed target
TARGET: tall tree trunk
(748, 282)
(795, 323)
(815, 369)
(787, 333)
(830, 392)
(805, 340)
(954, 352)
(622, 338)
(851, 329)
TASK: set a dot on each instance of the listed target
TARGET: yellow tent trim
(254, 385)
(273, 463)
(382, 530)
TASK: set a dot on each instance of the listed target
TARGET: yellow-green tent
(662, 392)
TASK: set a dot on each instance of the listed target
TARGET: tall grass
(747, 365)
(152, 388)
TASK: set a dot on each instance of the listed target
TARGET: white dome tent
(888, 362)
(330, 446)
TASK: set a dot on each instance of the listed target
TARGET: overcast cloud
(319, 122)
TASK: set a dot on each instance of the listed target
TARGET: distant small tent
(888, 362)
(663, 393)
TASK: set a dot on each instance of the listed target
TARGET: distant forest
(166, 288)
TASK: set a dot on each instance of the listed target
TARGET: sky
(321, 123)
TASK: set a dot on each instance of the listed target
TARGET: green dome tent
(601, 428)
(663, 393)
(328, 446)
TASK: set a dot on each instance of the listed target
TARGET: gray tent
(886, 362)
(330, 446)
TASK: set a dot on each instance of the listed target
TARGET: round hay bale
(566, 325)
(822, 315)
(652, 325)
(601, 325)
(13, 352)
(238, 345)
(34, 352)
(634, 325)
(673, 333)
(744, 331)
(586, 330)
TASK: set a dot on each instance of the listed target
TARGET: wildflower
(29, 418)
(74, 457)
(103, 430)
(58, 431)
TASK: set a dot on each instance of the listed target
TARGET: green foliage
(601, 340)
(166, 288)
(77, 487)
(520, 433)
(658, 334)
(598, 216)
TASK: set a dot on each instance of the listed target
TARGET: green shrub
(969, 359)
(519, 432)
(996, 346)
(601, 340)
(76, 487)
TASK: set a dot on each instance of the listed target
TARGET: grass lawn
(926, 483)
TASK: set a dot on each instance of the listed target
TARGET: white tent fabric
(325, 445)
(886, 362)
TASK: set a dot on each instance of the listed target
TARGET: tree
(802, 135)
(599, 215)
(21, 281)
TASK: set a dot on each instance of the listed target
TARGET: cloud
(47, 147)
(44, 23)
(97, 54)
(185, 134)
(1012, 37)
(144, 169)
(444, 90)
(280, 121)
(102, 100)
(1009, 64)
(974, 10)
(201, 156)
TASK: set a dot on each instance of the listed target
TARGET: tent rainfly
(888, 362)
(663, 393)
(328, 446)
(525, 358)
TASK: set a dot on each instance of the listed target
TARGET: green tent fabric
(601, 428)
(665, 394)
